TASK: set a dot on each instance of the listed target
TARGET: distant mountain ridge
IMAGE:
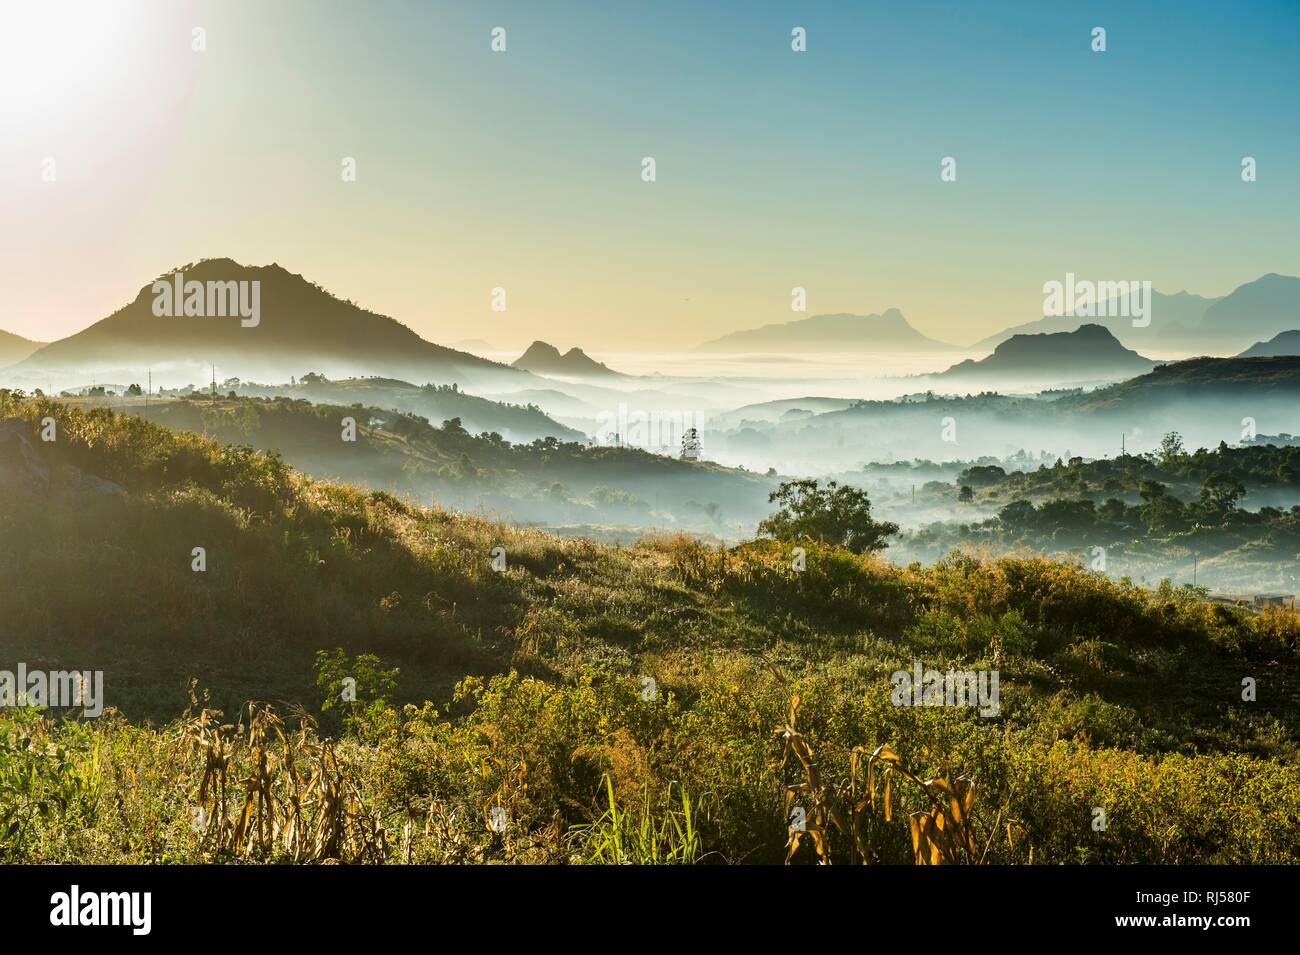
(542, 358)
(1188, 322)
(1264, 307)
(1090, 352)
(1285, 343)
(14, 348)
(888, 331)
(301, 328)
(1170, 315)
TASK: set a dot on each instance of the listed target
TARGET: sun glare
(55, 52)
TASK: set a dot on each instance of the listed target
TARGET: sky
(522, 169)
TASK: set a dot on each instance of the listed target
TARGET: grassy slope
(514, 422)
(547, 483)
(296, 566)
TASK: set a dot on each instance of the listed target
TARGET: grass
(520, 688)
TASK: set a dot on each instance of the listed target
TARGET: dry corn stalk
(944, 833)
(299, 799)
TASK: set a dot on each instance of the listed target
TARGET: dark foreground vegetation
(439, 688)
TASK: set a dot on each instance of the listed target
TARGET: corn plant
(300, 801)
(943, 833)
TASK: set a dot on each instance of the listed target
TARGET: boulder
(21, 469)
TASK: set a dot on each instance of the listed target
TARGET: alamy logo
(645, 429)
(1087, 299)
(103, 908)
(58, 688)
(212, 299)
(921, 687)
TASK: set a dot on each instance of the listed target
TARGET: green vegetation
(518, 423)
(522, 689)
(545, 481)
(830, 515)
(1153, 514)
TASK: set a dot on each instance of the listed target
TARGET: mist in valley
(607, 458)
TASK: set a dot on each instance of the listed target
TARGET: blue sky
(775, 169)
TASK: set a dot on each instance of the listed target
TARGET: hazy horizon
(522, 169)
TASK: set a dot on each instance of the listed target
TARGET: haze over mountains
(888, 331)
(1285, 343)
(759, 421)
(1088, 354)
(545, 359)
(1182, 322)
(1169, 316)
(1190, 323)
(1253, 311)
(14, 348)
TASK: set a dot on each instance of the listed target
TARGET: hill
(545, 482)
(545, 359)
(889, 331)
(1089, 353)
(14, 348)
(514, 422)
(1191, 383)
(299, 328)
(780, 409)
(1281, 345)
(553, 678)
(1171, 317)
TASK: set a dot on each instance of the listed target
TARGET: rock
(21, 468)
(90, 484)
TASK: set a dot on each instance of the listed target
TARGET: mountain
(14, 348)
(1089, 353)
(889, 331)
(1286, 343)
(1254, 311)
(1171, 316)
(545, 359)
(298, 327)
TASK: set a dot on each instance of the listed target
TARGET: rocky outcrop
(24, 471)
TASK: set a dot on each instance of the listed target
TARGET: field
(377, 680)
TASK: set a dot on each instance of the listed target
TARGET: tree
(1171, 450)
(1018, 515)
(966, 494)
(1162, 511)
(834, 514)
(1220, 493)
(982, 475)
(134, 391)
